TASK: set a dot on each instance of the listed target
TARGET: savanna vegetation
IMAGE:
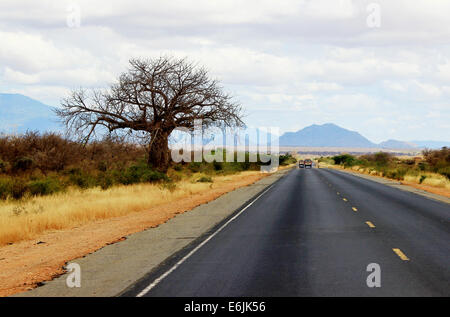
(433, 168)
(39, 165)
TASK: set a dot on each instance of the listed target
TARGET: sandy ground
(431, 189)
(24, 265)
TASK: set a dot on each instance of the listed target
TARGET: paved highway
(313, 233)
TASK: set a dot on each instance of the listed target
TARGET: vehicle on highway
(308, 163)
(301, 163)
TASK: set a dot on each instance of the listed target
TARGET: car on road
(301, 163)
(308, 163)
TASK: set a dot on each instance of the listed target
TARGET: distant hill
(19, 113)
(395, 144)
(326, 135)
(431, 144)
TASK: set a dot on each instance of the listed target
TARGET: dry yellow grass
(28, 219)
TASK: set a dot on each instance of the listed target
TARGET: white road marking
(173, 268)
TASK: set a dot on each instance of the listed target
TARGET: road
(313, 233)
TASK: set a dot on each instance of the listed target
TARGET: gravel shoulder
(113, 268)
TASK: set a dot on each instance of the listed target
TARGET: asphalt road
(313, 233)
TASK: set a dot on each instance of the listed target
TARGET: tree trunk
(158, 155)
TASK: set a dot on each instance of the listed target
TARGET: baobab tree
(154, 97)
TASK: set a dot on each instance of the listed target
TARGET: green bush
(345, 159)
(218, 166)
(398, 173)
(422, 178)
(153, 176)
(3, 167)
(287, 159)
(445, 171)
(195, 166)
(5, 188)
(205, 179)
(82, 180)
(105, 181)
(44, 187)
(19, 188)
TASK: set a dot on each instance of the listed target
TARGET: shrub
(218, 166)
(398, 173)
(153, 176)
(205, 179)
(19, 189)
(105, 181)
(422, 178)
(445, 171)
(287, 159)
(5, 188)
(3, 166)
(44, 187)
(345, 159)
(82, 180)
(23, 164)
(194, 167)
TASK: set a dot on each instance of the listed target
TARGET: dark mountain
(326, 135)
(19, 113)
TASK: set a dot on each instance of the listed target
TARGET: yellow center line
(354, 209)
(344, 199)
(371, 225)
(401, 254)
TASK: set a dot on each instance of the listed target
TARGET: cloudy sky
(378, 67)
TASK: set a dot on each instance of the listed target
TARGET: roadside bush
(287, 159)
(5, 188)
(345, 159)
(445, 171)
(18, 189)
(153, 176)
(205, 179)
(398, 173)
(23, 164)
(44, 187)
(82, 180)
(218, 166)
(195, 166)
(3, 166)
(105, 181)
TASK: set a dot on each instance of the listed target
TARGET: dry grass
(432, 179)
(28, 219)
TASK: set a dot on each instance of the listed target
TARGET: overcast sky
(290, 63)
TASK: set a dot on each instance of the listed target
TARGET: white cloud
(315, 58)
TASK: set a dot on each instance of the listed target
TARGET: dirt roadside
(109, 267)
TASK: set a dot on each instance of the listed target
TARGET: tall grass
(23, 220)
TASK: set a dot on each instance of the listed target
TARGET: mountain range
(19, 113)
(331, 135)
